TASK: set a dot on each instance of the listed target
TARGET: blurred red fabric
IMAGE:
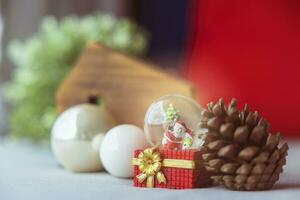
(249, 50)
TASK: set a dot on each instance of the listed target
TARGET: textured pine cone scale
(241, 152)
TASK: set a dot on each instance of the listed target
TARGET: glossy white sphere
(156, 116)
(75, 137)
(117, 149)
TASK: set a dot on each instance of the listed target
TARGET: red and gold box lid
(165, 168)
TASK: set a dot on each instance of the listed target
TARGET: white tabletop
(31, 172)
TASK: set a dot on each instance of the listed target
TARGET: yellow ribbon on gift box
(150, 163)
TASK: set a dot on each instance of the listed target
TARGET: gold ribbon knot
(149, 163)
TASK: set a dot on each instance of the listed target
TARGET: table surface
(31, 172)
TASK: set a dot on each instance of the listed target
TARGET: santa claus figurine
(178, 137)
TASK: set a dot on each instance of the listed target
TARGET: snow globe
(172, 122)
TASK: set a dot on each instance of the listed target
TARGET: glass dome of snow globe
(172, 122)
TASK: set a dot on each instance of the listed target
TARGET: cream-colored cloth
(31, 173)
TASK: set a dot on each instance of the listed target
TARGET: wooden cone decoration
(242, 153)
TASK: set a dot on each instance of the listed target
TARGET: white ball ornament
(117, 148)
(77, 134)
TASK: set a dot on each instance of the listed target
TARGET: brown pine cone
(242, 153)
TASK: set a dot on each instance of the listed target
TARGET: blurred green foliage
(46, 58)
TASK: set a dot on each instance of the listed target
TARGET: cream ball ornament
(117, 148)
(77, 134)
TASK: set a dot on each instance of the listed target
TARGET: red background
(249, 50)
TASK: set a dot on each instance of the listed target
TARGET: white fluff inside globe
(156, 119)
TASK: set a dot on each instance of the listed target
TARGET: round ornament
(116, 150)
(172, 122)
(77, 134)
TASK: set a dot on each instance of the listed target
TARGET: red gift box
(175, 169)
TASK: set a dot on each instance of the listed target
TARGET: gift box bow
(150, 163)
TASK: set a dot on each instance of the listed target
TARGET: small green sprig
(172, 114)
